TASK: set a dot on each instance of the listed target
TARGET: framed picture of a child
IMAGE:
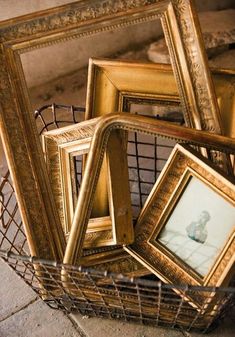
(185, 232)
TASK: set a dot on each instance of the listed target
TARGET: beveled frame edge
(220, 77)
(18, 130)
(106, 66)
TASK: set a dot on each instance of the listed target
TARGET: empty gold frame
(110, 124)
(186, 230)
(113, 84)
(75, 20)
(61, 146)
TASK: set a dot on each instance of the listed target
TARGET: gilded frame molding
(154, 246)
(83, 18)
(103, 229)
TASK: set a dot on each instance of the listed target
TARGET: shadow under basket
(144, 300)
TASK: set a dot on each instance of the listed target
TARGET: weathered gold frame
(83, 18)
(182, 163)
(59, 146)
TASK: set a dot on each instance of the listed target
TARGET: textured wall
(12, 8)
(48, 63)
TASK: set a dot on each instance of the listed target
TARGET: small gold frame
(60, 146)
(163, 242)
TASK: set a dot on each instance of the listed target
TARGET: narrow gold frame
(59, 145)
(79, 19)
(182, 162)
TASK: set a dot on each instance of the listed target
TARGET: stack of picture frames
(184, 233)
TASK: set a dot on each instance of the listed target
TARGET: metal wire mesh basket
(103, 293)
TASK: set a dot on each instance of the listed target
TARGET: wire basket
(102, 293)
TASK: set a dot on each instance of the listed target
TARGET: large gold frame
(59, 146)
(83, 18)
(182, 164)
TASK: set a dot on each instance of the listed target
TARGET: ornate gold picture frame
(186, 230)
(61, 146)
(79, 19)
